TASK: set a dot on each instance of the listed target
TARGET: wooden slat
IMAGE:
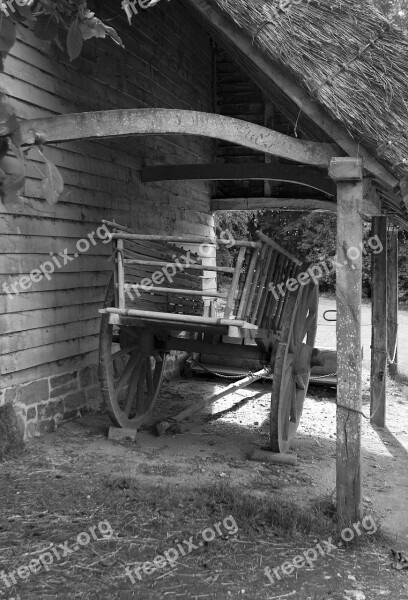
(269, 203)
(187, 292)
(234, 283)
(152, 263)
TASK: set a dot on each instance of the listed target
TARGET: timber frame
(358, 198)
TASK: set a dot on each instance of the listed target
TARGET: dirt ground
(160, 491)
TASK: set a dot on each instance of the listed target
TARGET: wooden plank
(36, 319)
(36, 338)
(255, 289)
(294, 204)
(169, 290)
(42, 292)
(186, 239)
(248, 171)
(48, 353)
(26, 302)
(244, 45)
(126, 122)
(379, 352)
(50, 369)
(248, 283)
(348, 292)
(392, 302)
(156, 264)
(234, 283)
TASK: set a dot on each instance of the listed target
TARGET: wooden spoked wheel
(130, 370)
(292, 365)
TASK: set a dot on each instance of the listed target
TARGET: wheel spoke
(125, 351)
(141, 385)
(130, 396)
(124, 378)
(149, 378)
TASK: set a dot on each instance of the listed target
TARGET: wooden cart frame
(260, 322)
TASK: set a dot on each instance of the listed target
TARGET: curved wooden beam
(239, 171)
(160, 121)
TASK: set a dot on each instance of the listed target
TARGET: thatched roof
(347, 56)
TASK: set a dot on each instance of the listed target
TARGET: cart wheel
(130, 370)
(292, 365)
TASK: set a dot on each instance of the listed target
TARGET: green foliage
(309, 236)
(396, 10)
(68, 22)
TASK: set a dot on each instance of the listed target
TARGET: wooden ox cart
(145, 312)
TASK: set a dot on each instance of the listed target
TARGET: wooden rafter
(272, 204)
(160, 121)
(239, 171)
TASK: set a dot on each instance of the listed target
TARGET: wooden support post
(379, 323)
(347, 172)
(392, 305)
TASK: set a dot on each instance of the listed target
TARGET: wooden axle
(224, 349)
(237, 385)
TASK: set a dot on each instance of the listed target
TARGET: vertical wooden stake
(392, 288)
(121, 274)
(379, 322)
(348, 174)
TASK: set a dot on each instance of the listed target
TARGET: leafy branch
(48, 19)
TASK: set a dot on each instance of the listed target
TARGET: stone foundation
(40, 406)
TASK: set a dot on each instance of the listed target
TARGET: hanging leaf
(74, 40)
(113, 35)
(46, 27)
(8, 119)
(11, 186)
(7, 34)
(53, 184)
(92, 27)
(25, 11)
